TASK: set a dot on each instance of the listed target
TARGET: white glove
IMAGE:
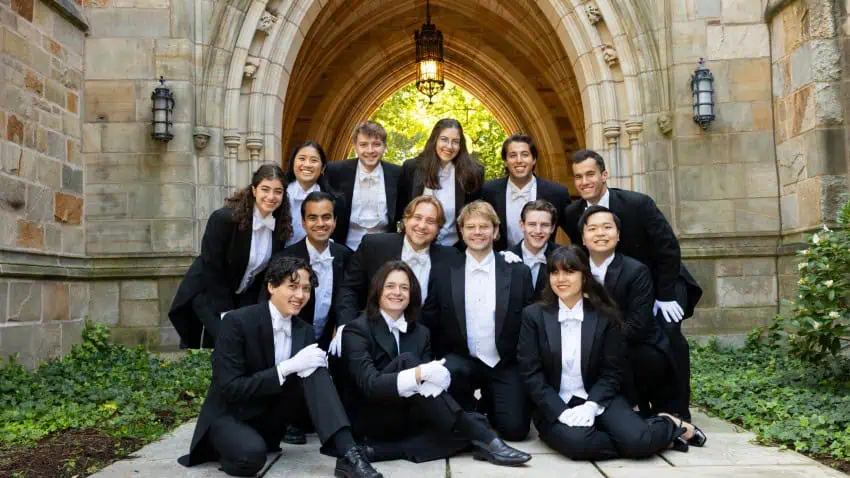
(429, 389)
(304, 363)
(671, 310)
(510, 257)
(436, 374)
(581, 416)
(335, 347)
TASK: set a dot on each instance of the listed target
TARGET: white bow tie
(369, 178)
(536, 259)
(485, 268)
(400, 325)
(268, 222)
(417, 259)
(565, 315)
(284, 326)
(445, 173)
(517, 195)
(321, 259)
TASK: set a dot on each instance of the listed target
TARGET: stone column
(634, 129)
(615, 168)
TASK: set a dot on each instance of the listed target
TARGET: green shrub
(125, 392)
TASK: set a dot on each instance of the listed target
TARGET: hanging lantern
(429, 57)
(702, 88)
(163, 112)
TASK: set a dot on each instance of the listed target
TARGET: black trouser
(649, 381)
(617, 433)
(503, 396)
(242, 445)
(680, 400)
(204, 310)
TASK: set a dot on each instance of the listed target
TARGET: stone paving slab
(786, 471)
(548, 465)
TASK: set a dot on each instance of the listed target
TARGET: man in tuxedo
(649, 380)
(537, 222)
(421, 222)
(368, 184)
(508, 195)
(474, 310)
(645, 235)
(266, 372)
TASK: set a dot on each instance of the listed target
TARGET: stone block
(747, 79)
(154, 201)
(74, 240)
(122, 168)
(52, 237)
(828, 105)
(56, 144)
(751, 147)
(139, 290)
(750, 291)
(14, 130)
(733, 118)
(55, 93)
(136, 22)
(135, 336)
(78, 300)
(55, 300)
(91, 138)
(174, 236)
(106, 201)
(167, 167)
(168, 338)
(49, 173)
(109, 101)
(183, 20)
(703, 271)
(741, 11)
(72, 180)
(826, 60)
(30, 235)
(139, 313)
(834, 193)
(749, 266)
(700, 217)
(174, 60)
(166, 290)
(72, 334)
(68, 209)
(801, 110)
(118, 237)
(126, 138)
(823, 150)
(12, 194)
(23, 8)
(119, 58)
(729, 42)
(71, 101)
(70, 37)
(808, 201)
(16, 46)
(708, 8)
(103, 303)
(4, 300)
(801, 67)
(24, 301)
(33, 343)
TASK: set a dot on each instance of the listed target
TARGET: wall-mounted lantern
(163, 112)
(702, 88)
(429, 57)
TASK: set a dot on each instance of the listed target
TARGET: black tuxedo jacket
(342, 176)
(342, 255)
(494, 193)
(444, 312)
(645, 235)
(244, 381)
(376, 250)
(411, 184)
(217, 272)
(543, 272)
(539, 356)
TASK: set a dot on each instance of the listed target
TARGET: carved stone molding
(609, 54)
(252, 64)
(254, 146)
(593, 13)
(634, 128)
(665, 124)
(232, 142)
(267, 21)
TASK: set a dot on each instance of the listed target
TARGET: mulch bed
(65, 454)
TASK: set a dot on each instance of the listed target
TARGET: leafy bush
(784, 400)
(817, 327)
(124, 392)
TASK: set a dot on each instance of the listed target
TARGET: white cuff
(282, 372)
(599, 410)
(406, 383)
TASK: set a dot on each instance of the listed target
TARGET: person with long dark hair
(398, 405)
(570, 356)
(443, 169)
(238, 242)
(305, 173)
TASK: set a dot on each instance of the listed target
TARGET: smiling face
(448, 144)
(291, 295)
(319, 221)
(600, 234)
(307, 166)
(268, 195)
(478, 233)
(566, 285)
(536, 229)
(519, 161)
(370, 150)
(589, 180)
(395, 295)
(422, 226)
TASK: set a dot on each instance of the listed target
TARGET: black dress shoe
(698, 439)
(294, 436)
(498, 452)
(680, 444)
(355, 465)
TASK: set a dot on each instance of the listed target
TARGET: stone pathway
(729, 452)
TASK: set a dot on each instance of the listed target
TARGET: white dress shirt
(602, 269)
(446, 195)
(296, 196)
(406, 379)
(322, 264)
(604, 201)
(480, 305)
(572, 383)
(282, 334)
(261, 248)
(368, 205)
(533, 261)
(515, 199)
(420, 262)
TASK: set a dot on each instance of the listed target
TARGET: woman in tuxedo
(570, 352)
(238, 241)
(443, 169)
(396, 394)
(305, 173)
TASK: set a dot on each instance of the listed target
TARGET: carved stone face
(609, 54)
(201, 140)
(251, 66)
(267, 21)
(593, 13)
(665, 124)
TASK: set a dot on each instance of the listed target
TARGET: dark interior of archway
(358, 52)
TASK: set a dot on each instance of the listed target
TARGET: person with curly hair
(238, 242)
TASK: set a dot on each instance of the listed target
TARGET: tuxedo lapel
(241, 250)
(383, 336)
(301, 336)
(588, 333)
(613, 273)
(418, 180)
(267, 335)
(553, 336)
(391, 190)
(458, 278)
(409, 341)
(460, 197)
(346, 183)
(503, 291)
(501, 205)
(299, 249)
(337, 266)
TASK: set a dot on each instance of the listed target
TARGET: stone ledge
(70, 12)
(44, 266)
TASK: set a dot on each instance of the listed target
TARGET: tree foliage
(408, 118)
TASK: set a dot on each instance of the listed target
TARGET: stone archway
(570, 72)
